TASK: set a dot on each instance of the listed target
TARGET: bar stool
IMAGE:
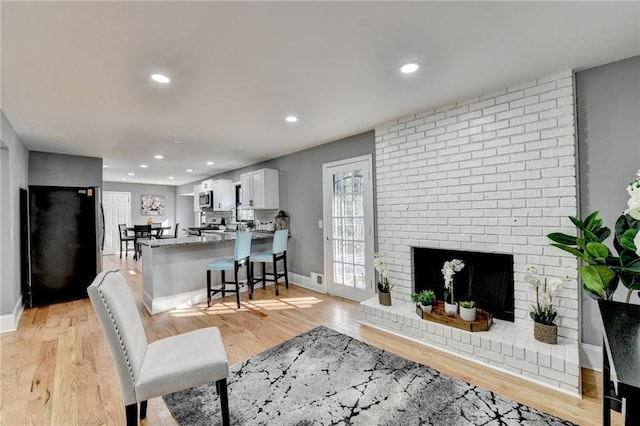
(278, 252)
(241, 254)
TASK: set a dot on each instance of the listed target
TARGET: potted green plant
(601, 271)
(384, 285)
(425, 299)
(449, 269)
(468, 310)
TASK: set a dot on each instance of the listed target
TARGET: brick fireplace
(491, 174)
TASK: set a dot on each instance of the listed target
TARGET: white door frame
(107, 223)
(327, 191)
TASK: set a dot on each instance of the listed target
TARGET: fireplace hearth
(486, 278)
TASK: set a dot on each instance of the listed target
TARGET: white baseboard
(306, 282)
(591, 357)
(9, 322)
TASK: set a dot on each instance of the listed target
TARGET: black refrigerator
(66, 236)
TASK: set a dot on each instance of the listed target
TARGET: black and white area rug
(323, 377)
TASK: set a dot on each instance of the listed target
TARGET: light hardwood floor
(57, 369)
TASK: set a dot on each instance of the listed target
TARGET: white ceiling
(75, 75)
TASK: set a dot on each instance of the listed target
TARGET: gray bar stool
(278, 252)
(240, 257)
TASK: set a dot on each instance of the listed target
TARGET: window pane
(359, 258)
(358, 229)
(348, 275)
(359, 276)
(338, 276)
(337, 228)
(337, 251)
(348, 229)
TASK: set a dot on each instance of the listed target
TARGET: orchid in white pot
(449, 269)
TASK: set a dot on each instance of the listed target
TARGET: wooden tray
(483, 321)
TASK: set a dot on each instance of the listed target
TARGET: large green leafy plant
(602, 271)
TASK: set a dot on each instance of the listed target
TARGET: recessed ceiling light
(158, 156)
(291, 119)
(104, 166)
(210, 163)
(189, 170)
(160, 78)
(410, 67)
(131, 174)
(144, 166)
(124, 178)
(171, 177)
(178, 142)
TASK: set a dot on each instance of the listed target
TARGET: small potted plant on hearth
(468, 310)
(384, 285)
(449, 269)
(543, 313)
(425, 299)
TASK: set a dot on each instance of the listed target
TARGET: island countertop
(174, 269)
(209, 238)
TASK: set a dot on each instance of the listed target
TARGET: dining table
(157, 229)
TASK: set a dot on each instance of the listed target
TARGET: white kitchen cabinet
(207, 185)
(196, 198)
(224, 195)
(260, 189)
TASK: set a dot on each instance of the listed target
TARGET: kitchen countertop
(210, 238)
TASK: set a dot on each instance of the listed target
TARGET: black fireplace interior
(486, 278)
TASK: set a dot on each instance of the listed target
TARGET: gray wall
(608, 103)
(137, 190)
(301, 195)
(16, 177)
(50, 169)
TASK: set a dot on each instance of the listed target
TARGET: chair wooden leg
(224, 283)
(120, 249)
(275, 274)
(131, 412)
(237, 284)
(208, 288)
(286, 273)
(250, 277)
(264, 275)
(143, 410)
(221, 386)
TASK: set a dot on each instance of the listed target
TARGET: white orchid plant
(543, 312)
(384, 284)
(449, 269)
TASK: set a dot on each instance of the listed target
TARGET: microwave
(205, 200)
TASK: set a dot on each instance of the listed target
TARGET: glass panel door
(349, 229)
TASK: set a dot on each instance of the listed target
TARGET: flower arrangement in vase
(449, 269)
(384, 285)
(543, 313)
(425, 299)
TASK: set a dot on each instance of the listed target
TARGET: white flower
(636, 241)
(554, 285)
(634, 198)
(532, 280)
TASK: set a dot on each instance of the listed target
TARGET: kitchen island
(173, 269)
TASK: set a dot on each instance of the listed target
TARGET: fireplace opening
(486, 278)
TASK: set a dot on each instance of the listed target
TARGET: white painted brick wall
(495, 174)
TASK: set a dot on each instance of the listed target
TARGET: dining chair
(125, 239)
(148, 370)
(141, 232)
(175, 233)
(278, 252)
(241, 253)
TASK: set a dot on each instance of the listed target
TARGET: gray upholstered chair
(147, 370)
